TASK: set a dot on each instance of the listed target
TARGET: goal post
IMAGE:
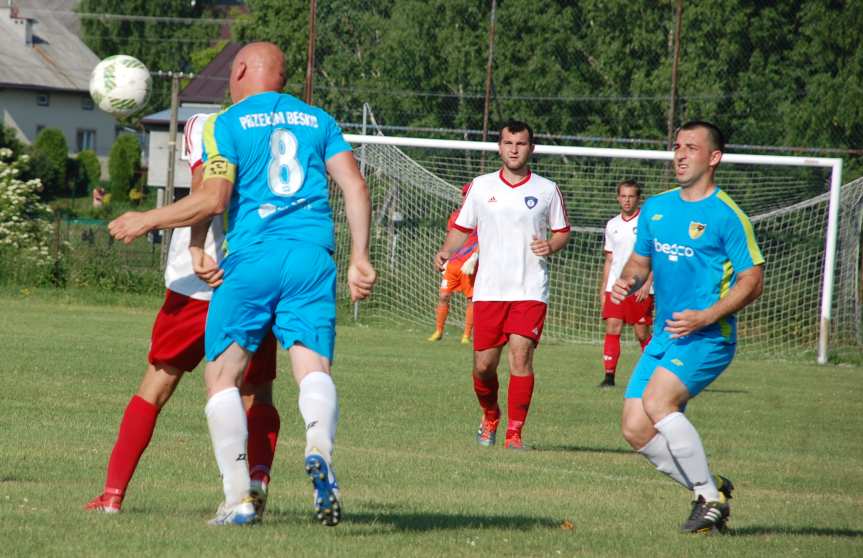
(431, 167)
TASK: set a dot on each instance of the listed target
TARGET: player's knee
(634, 432)
(484, 367)
(657, 408)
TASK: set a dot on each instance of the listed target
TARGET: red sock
(136, 429)
(611, 352)
(518, 402)
(263, 435)
(486, 392)
(645, 342)
(440, 316)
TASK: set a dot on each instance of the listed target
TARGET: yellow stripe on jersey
(724, 288)
(752, 244)
(217, 166)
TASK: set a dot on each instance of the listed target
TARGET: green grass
(414, 482)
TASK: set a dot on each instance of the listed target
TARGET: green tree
(124, 165)
(162, 45)
(50, 161)
(89, 170)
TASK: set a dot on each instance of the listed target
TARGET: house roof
(210, 86)
(163, 118)
(56, 59)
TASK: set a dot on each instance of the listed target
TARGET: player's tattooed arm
(454, 240)
(633, 276)
(747, 288)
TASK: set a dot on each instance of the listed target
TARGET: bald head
(257, 68)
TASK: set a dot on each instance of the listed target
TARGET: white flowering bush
(25, 222)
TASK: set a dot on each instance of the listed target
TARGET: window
(87, 103)
(43, 99)
(85, 139)
(39, 128)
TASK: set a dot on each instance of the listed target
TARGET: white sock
(319, 406)
(229, 432)
(657, 452)
(684, 443)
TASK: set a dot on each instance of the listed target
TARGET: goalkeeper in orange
(458, 276)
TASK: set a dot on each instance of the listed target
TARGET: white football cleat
(238, 514)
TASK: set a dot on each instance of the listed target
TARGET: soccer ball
(120, 85)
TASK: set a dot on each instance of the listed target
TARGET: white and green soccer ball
(120, 84)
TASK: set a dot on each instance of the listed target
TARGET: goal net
(414, 189)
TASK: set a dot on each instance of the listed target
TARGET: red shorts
(495, 321)
(454, 280)
(630, 311)
(178, 339)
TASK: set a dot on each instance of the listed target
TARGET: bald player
(267, 158)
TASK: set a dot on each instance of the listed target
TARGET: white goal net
(414, 190)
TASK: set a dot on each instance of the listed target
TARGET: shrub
(124, 164)
(50, 154)
(25, 221)
(89, 172)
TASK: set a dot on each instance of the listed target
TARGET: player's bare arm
(606, 269)
(454, 240)
(361, 275)
(746, 289)
(203, 265)
(546, 247)
(212, 199)
(632, 278)
(644, 291)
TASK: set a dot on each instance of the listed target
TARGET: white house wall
(64, 112)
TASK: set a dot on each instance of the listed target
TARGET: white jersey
(179, 276)
(507, 218)
(620, 234)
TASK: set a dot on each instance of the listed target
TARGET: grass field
(414, 483)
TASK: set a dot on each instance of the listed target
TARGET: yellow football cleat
(436, 336)
(465, 339)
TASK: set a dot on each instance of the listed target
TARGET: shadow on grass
(578, 449)
(430, 521)
(756, 530)
(714, 390)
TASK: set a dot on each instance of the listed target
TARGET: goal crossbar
(834, 164)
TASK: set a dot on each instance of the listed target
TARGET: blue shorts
(289, 287)
(696, 361)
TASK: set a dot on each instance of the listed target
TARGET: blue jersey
(274, 148)
(696, 251)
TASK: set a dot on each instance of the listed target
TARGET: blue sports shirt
(696, 251)
(274, 148)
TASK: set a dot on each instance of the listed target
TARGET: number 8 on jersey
(285, 172)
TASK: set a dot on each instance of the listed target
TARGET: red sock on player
(486, 392)
(440, 316)
(264, 426)
(518, 402)
(136, 430)
(645, 342)
(611, 352)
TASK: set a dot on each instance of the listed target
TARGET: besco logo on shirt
(673, 251)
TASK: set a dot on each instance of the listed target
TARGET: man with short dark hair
(512, 210)
(636, 309)
(706, 267)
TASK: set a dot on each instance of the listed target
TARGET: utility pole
(310, 54)
(672, 108)
(172, 152)
(488, 80)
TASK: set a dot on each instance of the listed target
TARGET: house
(205, 93)
(44, 79)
